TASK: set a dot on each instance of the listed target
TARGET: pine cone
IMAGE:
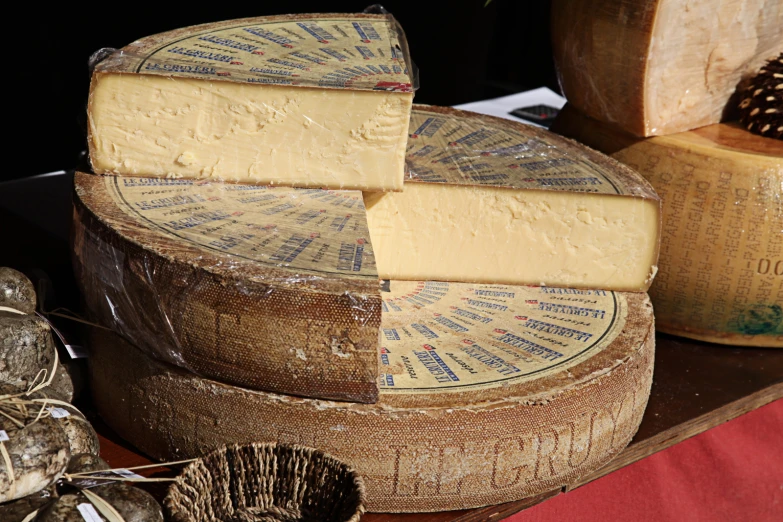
(761, 108)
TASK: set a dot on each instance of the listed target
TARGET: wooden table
(696, 386)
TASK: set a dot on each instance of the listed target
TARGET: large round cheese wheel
(275, 288)
(720, 271)
(489, 394)
(223, 280)
(660, 67)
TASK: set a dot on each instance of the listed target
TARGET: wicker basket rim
(358, 483)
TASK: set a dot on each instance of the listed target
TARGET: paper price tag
(59, 413)
(88, 512)
(4, 436)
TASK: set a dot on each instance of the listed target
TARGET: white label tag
(59, 413)
(4, 436)
(76, 351)
(126, 473)
(89, 514)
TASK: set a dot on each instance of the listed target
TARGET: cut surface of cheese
(270, 288)
(489, 394)
(493, 201)
(720, 273)
(304, 100)
(656, 68)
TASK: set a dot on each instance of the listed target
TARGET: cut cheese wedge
(720, 276)
(488, 200)
(267, 287)
(660, 67)
(306, 100)
(489, 394)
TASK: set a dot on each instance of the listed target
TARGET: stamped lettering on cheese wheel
(470, 150)
(340, 51)
(460, 336)
(316, 230)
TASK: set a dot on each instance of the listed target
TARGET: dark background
(464, 50)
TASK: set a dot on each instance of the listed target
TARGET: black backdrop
(465, 51)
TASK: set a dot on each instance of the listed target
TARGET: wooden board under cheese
(490, 393)
(661, 67)
(720, 272)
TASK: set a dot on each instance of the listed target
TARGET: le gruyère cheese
(720, 272)
(493, 201)
(303, 100)
(272, 288)
(661, 67)
(489, 394)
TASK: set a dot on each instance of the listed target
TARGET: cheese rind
(654, 68)
(308, 101)
(492, 201)
(428, 447)
(267, 287)
(720, 272)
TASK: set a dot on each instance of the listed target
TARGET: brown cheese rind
(456, 453)
(719, 271)
(258, 324)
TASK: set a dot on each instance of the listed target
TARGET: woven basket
(266, 483)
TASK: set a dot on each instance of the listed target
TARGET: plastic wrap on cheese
(318, 100)
(272, 288)
(489, 200)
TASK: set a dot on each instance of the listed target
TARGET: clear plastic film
(298, 100)
(654, 68)
(271, 288)
(363, 51)
(464, 148)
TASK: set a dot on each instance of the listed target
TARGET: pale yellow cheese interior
(447, 232)
(147, 125)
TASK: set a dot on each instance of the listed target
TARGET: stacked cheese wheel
(720, 273)
(477, 334)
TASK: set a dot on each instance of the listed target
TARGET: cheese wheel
(488, 200)
(309, 100)
(276, 289)
(659, 67)
(720, 271)
(489, 394)
(267, 287)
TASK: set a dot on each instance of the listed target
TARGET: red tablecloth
(731, 473)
